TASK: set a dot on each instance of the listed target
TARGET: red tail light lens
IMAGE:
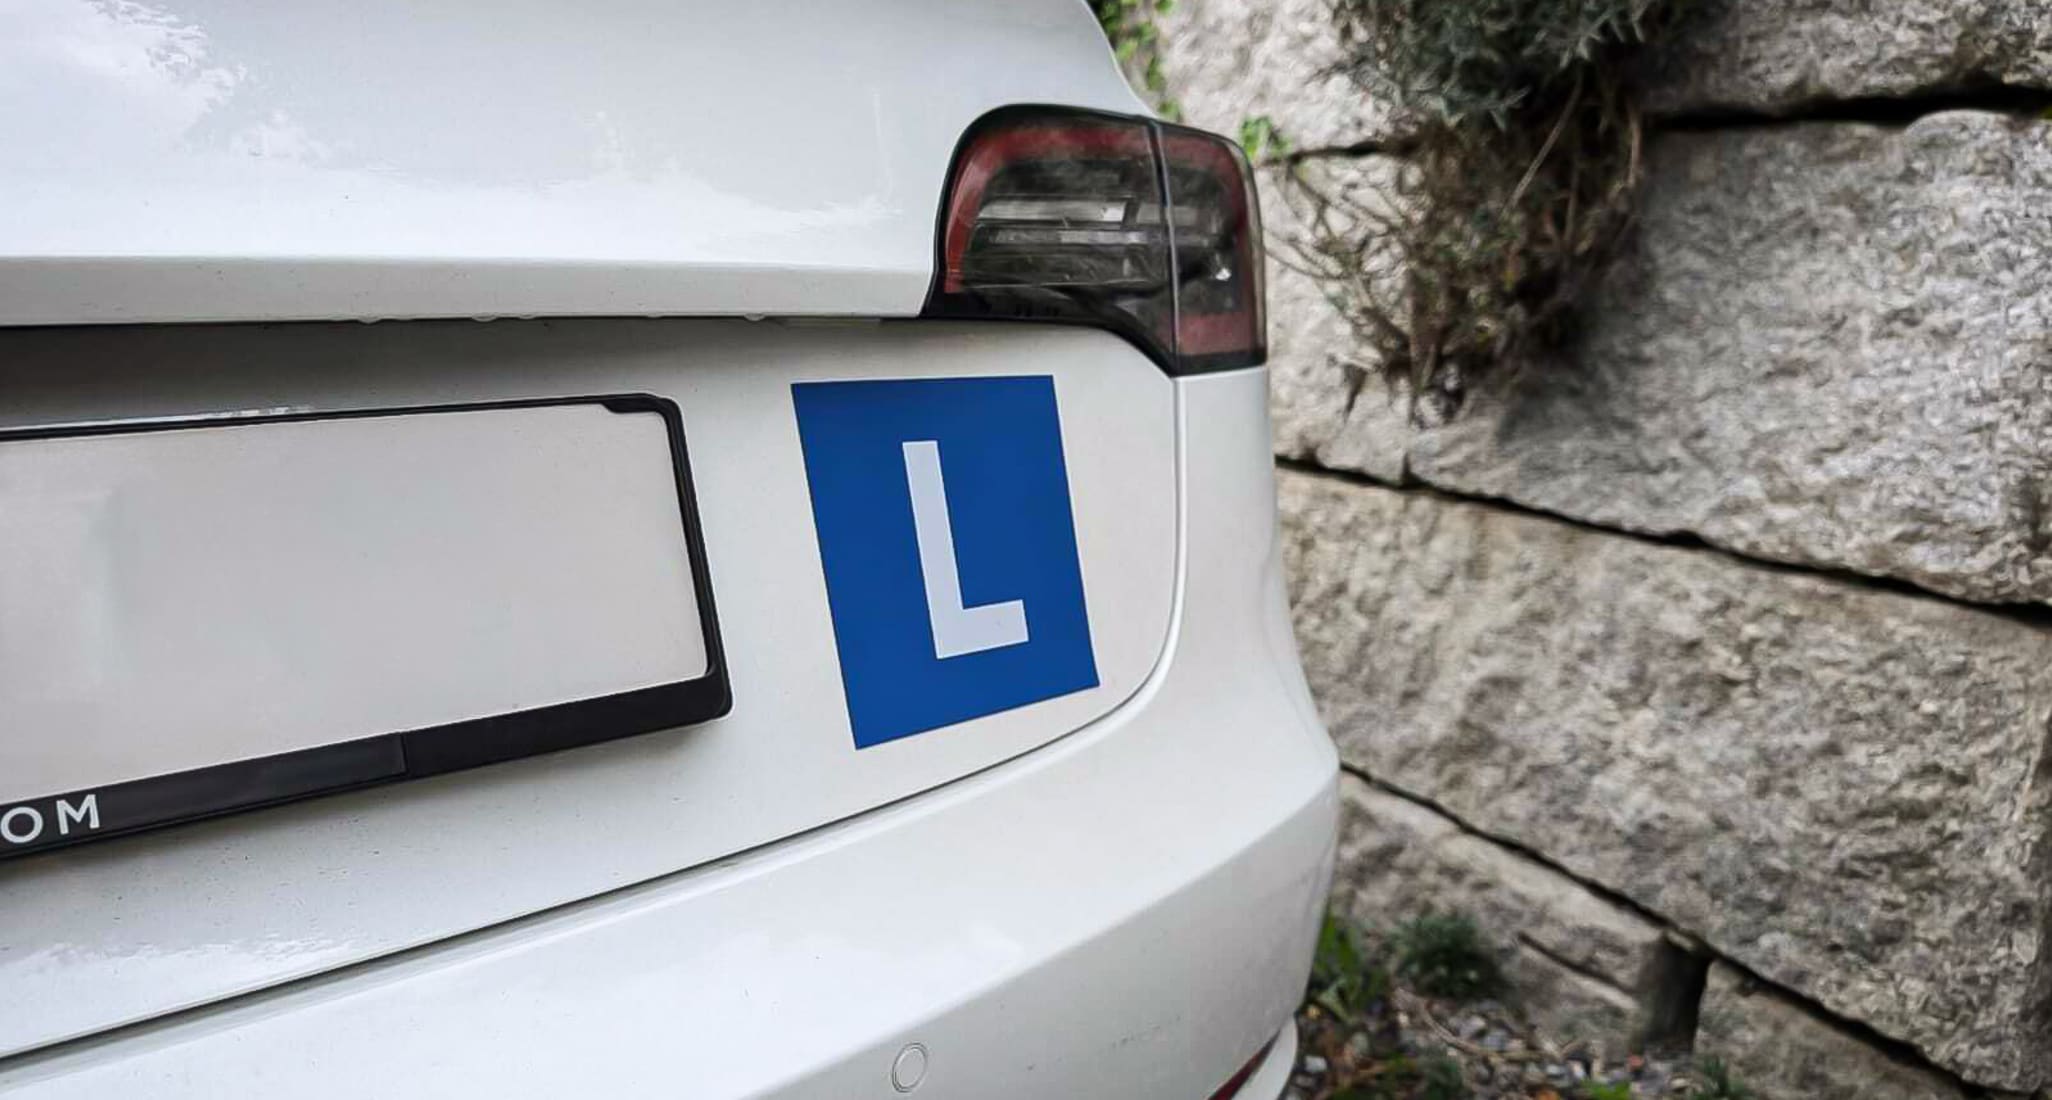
(1145, 228)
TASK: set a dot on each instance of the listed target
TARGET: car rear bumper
(1129, 912)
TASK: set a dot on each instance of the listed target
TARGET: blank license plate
(206, 616)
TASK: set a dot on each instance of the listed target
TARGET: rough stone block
(1777, 56)
(1327, 399)
(1839, 787)
(1782, 1051)
(1831, 345)
(1230, 60)
(1575, 961)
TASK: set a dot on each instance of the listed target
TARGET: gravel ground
(1394, 1056)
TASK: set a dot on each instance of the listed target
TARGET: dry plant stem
(1416, 1006)
(1552, 138)
(1520, 164)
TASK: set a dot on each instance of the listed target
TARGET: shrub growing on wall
(1520, 141)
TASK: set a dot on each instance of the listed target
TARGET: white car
(784, 600)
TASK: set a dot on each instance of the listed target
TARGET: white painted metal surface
(176, 599)
(1109, 893)
(1272, 1076)
(1128, 912)
(124, 929)
(236, 160)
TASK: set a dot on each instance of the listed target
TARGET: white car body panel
(1111, 892)
(244, 161)
(1126, 913)
(120, 930)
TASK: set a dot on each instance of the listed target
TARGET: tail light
(1148, 229)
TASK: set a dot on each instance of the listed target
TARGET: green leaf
(1156, 79)
(1720, 1084)
(1253, 135)
(1443, 1080)
(1259, 135)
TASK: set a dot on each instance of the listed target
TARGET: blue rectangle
(991, 448)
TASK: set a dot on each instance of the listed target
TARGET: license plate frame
(81, 815)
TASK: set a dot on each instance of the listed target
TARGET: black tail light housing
(1149, 229)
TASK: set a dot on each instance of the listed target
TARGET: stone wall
(1713, 659)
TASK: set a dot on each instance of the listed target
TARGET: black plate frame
(179, 797)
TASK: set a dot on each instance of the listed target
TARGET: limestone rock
(1781, 55)
(1231, 60)
(1831, 345)
(1575, 962)
(1836, 786)
(1328, 401)
(1781, 1051)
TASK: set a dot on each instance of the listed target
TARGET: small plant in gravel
(1442, 1079)
(1718, 1083)
(1444, 955)
(1368, 1032)
(1402, 1077)
(1344, 981)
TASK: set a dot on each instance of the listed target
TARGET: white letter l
(957, 630)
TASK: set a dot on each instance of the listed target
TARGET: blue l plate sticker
(949, 548)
